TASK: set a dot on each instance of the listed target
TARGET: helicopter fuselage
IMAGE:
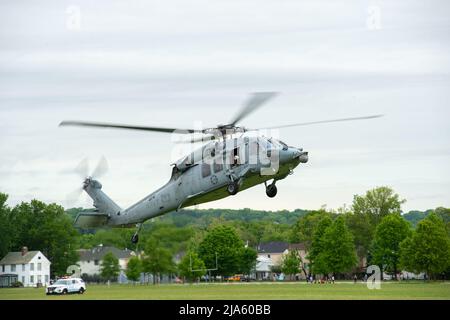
(205, 175)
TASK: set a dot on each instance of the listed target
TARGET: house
(263, 268)
(90, 260)
(273, 250)
(301, 250)
(270, 254)
(31, 268)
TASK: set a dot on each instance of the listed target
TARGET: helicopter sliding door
(239, 154)
(238, 158)
(235, 157)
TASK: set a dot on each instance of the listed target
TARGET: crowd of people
(325, 279)
(329, 279)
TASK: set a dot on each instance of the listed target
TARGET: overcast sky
(190, 63)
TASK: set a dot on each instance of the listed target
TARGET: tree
(391, 231)
(47, 228)
(407, 259)
(362, 230)
(303, 230)
(444, 214)
(377, 203)
(291, 263)
(337, 251)
(428, 249)
(6, 228)
(367, 212)
(109, 268)
(134, 268)
(256, 231)
(275, 232)
(247, 260)
(276, 268)
(168, 236)
(191, 267)
(317, 245)
(115, 237)
(224, 242)
(157, 260)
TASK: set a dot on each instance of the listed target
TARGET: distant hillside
(415, 216)
(204, 217)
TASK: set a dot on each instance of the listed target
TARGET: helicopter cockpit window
(175, 173)
(285, 146)
(278, 144)
(269, 148)
(206, 170)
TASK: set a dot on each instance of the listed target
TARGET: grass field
(228, 291)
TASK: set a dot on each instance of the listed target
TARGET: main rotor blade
(255, 101)
(123, 126)
(205, 138)
(101, 169)
(317, 122)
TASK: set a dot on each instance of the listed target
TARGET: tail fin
(102, 202)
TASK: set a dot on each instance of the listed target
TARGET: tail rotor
(82, 170)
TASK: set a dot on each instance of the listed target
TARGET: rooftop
(98, 252)
(18, 258)
(273, 247)
(278, 247)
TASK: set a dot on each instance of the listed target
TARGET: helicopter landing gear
(135, 237)
(233, 188)
(271, 189)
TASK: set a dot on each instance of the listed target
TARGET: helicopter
(229, 161)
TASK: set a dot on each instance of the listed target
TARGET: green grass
(281, 291)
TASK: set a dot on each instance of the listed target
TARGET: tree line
(373, 230)
(220, 253)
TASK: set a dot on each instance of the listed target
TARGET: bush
(17, 284)
(96, 278)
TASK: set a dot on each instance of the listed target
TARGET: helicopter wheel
(271, 190)
(233, 188)
(135, 238)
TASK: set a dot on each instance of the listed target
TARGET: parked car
(67, 285)
(247, 278)
(236, 277)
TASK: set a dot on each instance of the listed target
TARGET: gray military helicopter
(229, 161)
